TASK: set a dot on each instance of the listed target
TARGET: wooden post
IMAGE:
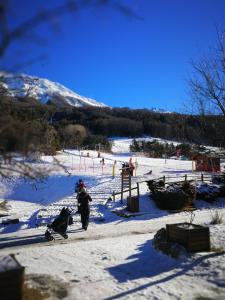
(113, 195)
(202, 177)
(185, 177)
(138, 190)
(164, 179)
(129, 185)
(121, 200)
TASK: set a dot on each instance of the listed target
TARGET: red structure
(206, 163)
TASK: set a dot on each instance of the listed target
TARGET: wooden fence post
(121, 200)
(113, 195)
(129, 185)
(138, 190)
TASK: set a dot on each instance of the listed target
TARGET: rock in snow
(44, 90)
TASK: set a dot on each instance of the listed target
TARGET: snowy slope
(114, 258)
(44, 90)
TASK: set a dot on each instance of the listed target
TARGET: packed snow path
(100, 194)
(114, 258)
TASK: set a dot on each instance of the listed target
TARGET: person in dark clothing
(84, 208)
(79, 186)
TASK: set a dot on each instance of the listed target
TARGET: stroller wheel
(64, 235)
(48, 236)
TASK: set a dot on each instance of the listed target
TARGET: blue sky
(121, 60)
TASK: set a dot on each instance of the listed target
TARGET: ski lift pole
(84, 164)
(113, 171)
(80, 163)
(136, 166)
(93, 165)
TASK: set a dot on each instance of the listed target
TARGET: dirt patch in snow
(40, 287)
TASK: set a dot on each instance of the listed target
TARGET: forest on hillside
(27, 125)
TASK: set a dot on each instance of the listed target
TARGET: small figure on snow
(84, 208)
(79, 186)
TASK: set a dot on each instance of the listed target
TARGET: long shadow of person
(149, 263)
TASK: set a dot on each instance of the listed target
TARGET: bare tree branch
(207, 84)
(26, 26)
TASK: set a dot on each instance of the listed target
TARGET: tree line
(26, 125)
(163, 150)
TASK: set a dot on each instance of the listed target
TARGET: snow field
(114, 258)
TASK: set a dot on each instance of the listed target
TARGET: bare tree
(74, 135)
(27, 30)
(207, 83)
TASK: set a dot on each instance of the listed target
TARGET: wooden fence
(126, 187)
(189, 177)
(126, 191)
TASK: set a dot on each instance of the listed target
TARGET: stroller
(60, 224)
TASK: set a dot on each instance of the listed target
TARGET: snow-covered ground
(114, 258)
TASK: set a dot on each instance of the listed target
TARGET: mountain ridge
(44, 90)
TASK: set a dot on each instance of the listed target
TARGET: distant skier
(84, 208)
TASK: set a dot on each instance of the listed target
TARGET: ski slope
(114, 258)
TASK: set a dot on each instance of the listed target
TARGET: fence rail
(192, 177)
(170, 180)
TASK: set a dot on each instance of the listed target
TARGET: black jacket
(83, 200)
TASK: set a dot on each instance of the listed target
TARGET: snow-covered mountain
(44, 90)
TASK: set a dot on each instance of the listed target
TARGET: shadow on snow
(149, 263)
(51, 190)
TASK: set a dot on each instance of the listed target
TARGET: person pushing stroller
(84, 209)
